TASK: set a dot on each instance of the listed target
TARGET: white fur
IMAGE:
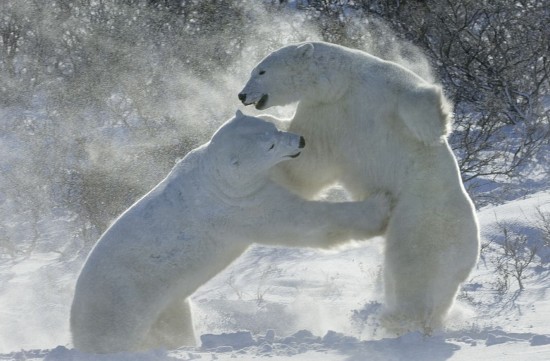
(133, 291)
(374, 126)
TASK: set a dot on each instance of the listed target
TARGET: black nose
(242, 97)
(302, 143)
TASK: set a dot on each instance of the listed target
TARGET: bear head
(245, 148)
(283, 77)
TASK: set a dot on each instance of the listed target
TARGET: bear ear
(239, 114)
(304, 51)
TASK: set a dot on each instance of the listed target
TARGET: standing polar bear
(374, 126)
(133, 291)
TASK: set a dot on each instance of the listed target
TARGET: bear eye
(261, 72)
(272, 146)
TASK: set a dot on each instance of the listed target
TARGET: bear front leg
(300, 223)
(355, 220)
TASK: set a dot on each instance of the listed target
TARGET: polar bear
(374, 126)
(133, 290)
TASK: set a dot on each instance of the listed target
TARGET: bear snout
(302, 143)
(242, 97)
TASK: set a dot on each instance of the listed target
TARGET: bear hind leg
(173, 328)
(419, 302)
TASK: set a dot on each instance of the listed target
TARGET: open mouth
(260, 104)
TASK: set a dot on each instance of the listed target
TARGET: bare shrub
(543, 223)
(514, 257)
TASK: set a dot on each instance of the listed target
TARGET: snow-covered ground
(303, 304)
